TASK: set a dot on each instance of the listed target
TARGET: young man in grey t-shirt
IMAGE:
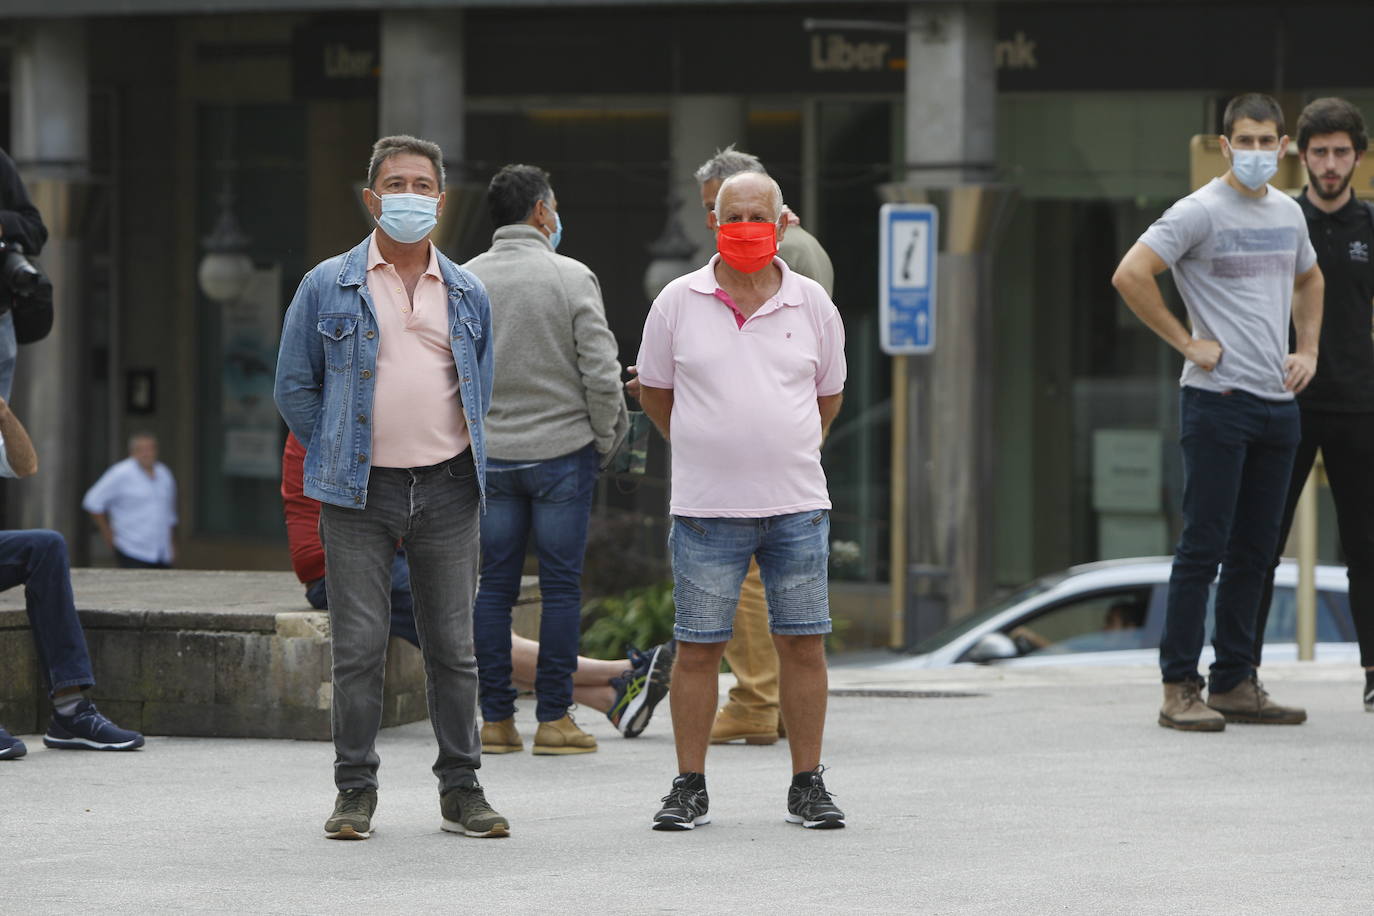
(1241, 259)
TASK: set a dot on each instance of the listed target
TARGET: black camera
(26, 291)
(17, 273)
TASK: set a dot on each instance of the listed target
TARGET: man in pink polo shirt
(742, 368)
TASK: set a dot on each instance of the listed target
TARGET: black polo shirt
(1345, 366)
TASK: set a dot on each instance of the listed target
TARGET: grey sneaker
(466, 811)
(352, 818)
(1249, 702)
(1183, 709)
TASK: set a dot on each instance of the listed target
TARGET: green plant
(641, 617)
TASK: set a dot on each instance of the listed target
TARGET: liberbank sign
(783, 50)
(789, 49)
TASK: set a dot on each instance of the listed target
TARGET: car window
(973, 621)
(1335, 608)
(1282, 625)
(1105, 621)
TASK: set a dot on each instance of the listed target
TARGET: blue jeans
(552, 501)
(432, 511)
(402, 608)
(9, 352)
(1237, 455)
(125, 561)
(711, 557)
(38, 560)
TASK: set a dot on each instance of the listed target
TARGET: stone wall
(187, 652)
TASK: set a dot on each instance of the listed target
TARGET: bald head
(748, 197)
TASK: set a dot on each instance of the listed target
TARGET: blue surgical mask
(557, 235)
(1254, 167)
(408, 218)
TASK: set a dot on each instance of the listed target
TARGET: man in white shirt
(134, 504)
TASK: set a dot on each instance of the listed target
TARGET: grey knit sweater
(557, 379)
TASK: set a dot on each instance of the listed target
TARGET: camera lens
(18, 274)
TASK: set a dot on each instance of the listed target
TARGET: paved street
(1051, 791)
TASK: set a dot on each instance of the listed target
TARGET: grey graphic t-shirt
(1234, 259)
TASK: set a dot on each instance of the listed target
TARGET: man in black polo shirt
(1338, 405)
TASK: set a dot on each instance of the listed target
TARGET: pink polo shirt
(746, 431)
(417, 409)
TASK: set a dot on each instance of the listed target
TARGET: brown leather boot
(732, 725)
(562, 736)
(501, 737)
(1249, 702)
(1183, 709)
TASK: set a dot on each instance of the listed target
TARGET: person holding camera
(22, 235)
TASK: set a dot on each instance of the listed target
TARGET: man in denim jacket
(385, 374)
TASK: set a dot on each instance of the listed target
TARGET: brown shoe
(1183, 709)
(562, 736)
(1249, 702)
(731, 725)
(501, 737)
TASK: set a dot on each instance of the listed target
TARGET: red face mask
(747, 247)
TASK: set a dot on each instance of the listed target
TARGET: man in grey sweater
(556, 415)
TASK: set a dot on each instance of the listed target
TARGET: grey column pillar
(699, 125)
(421, 88)
(950, 161)
(951, 94)
(51, 145)
(421, 92)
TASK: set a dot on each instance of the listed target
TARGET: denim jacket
(328, 357)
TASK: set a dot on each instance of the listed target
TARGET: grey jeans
(433, 512)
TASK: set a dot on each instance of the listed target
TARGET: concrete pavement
(1049, 791)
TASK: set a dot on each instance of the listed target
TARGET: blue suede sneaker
(87, 730)
(10, 746)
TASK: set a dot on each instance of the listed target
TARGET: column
(698, 126)
(50, 137)
(421, 92)
(950, 130)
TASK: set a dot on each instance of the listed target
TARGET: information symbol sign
(906, 282)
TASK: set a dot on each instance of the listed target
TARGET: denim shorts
(711, 557)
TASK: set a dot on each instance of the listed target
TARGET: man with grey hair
(799, 248)
(385, 373)
(134, 504)
(742, 369)
(751, 712)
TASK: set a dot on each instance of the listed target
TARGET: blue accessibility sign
(908, 234)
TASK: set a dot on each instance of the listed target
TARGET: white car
(1112, 613)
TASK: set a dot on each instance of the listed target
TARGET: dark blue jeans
(550, 501)
(1237, 456)
(127, 562)
(37, 560)
(402, 606)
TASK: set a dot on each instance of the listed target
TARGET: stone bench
(204, 653)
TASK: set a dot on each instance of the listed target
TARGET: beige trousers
(752, 656)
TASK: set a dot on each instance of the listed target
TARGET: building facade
(1043, 430)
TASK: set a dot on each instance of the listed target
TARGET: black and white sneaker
(812, 806)
(87, 730)
(684, 808)
(1368, 693)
